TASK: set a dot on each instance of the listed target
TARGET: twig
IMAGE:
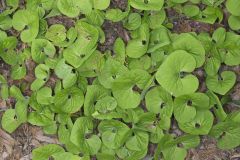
(3, 4)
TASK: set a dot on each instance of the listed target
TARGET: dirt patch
(64, 20)
(112, 32)
(182, 24)
(19, 145)
(207, 150)
(199, 73)
(121, 4)
(4, 69)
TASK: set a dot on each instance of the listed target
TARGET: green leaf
(211, 14)
(173, 74)
(37, 84)
(16, 93)
(217, 106)
(41, 49)
(191, 10)
(94, 93)
(56, 33)
(232, 57)
(4, 91)
(159, 100)
(67, 73)
(44, 96)
(221, 84)
(111, 70)
(159, 39)
(43, 118)
(83, 138)
(119, 50)
(42, 71)
(156, 19)
(45, 152)
(179, 1)
(114, 133)
(187, 106)
(70, 8)
(13, 118)
(101, 4)
(92, 66)
(138, 142)
(234, 23)
(42, 75)
(143, 63)
(219, 35)
(123, 88)
(64, 132)
(190, 44)
(18, 71)
(174, 153)
(96, 17)
(68, 100)
(212, 66)
(62, 69)
(233, 7)
(116, 15)
(106, 104)
(138, 47)
(200, 125)
(169, 149)
(66, 156)
(188, 141)
(9, 121)
(5, 22)
(133, 21)
(21, 108)
(147, 4)
(77, 53)
(27, 22)
(60, 36)
(227, 134)
(7, 52)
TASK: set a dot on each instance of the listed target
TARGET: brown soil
(18, 146)
(112, 32)
(64, 20)
(208, 150)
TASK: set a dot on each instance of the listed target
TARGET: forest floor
(18, 145)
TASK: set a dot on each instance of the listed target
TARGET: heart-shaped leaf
(190, 44)
(138, 47)
(187, 106)
(77, 53)
(41, 49)
(173, 74)
(221, 84)
(111, 70)
(232, 7)
(28, 22)
(45, 152)
(233, 22)
(70, 8)
(147, 4)
(159, 101)
(123, 88)
(200, 125)
(94, 93)
(114, 133)
(68, 100)
(83, 138)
